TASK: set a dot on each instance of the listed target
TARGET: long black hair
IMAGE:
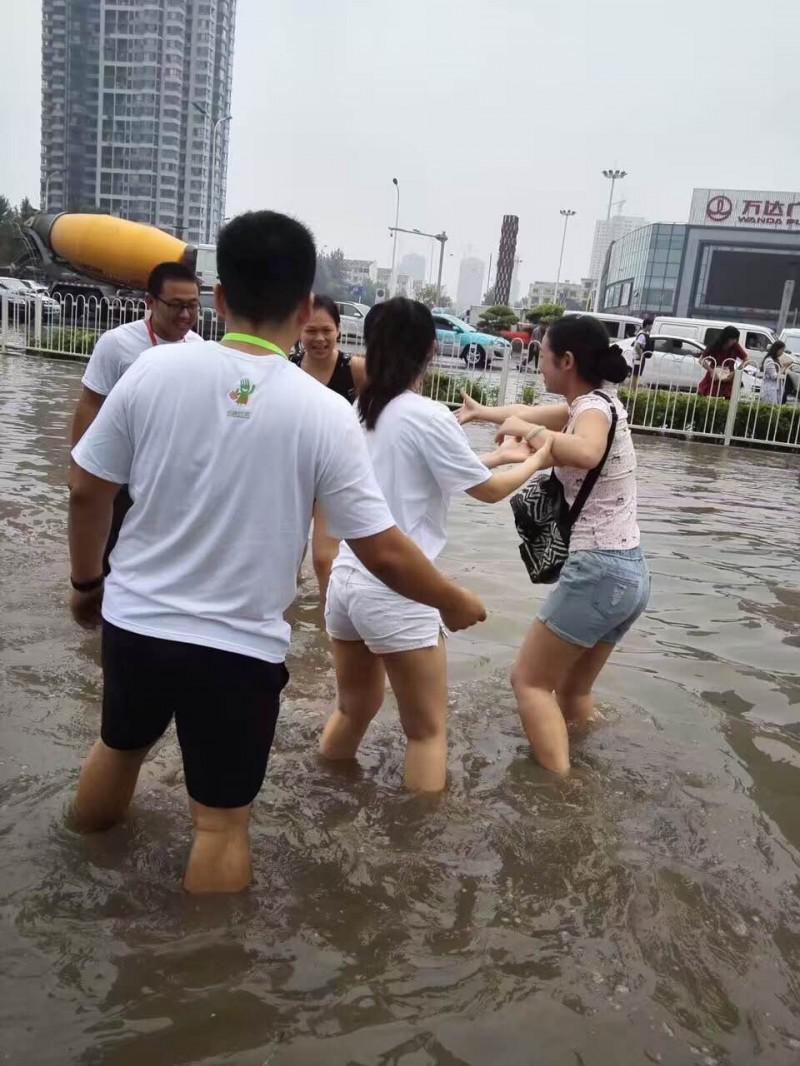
(595, 359)
(399, 335)
(729, 333)
(774, 353)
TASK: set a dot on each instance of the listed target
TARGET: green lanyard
(259, 342)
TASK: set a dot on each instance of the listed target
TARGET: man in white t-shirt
(225, 447)
(173, 302)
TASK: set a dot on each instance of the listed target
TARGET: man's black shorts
(225, 708)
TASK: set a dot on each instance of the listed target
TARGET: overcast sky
(479, 109)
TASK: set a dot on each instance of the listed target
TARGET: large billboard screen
(746, 209)
(750, 279)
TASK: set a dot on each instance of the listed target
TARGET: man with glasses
(173, 300)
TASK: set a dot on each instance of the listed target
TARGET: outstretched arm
(551, 415)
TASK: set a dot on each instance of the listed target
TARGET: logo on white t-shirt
(241, 397)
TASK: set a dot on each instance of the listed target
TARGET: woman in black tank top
(345, 375)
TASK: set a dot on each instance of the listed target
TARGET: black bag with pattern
(544, 521)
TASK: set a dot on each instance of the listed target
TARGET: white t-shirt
(116, 351)
(421, 457)
(608, 520)
(224, 454)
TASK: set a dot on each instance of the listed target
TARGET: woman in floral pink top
(605, 583)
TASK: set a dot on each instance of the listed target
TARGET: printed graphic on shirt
(241, 397)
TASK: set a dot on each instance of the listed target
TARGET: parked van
(754, 339)
(619, 327)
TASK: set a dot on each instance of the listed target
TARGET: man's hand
(469, 411)
(85, 607)
(468, 611)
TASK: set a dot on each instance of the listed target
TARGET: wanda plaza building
(730, 261)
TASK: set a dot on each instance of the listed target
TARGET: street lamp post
(613, 176)
(566, 214)
(215, 132)
(442, 238)
(393, 274)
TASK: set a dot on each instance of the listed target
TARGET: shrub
(70, 339)
(447, 388)
(687, 412)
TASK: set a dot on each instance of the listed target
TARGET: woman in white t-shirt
(421, 459)
(605, 583)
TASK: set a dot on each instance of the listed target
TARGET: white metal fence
(663, 399)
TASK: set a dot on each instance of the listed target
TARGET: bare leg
(419, 681)
(543, 664)
(220, 857)
(574, 694)
(360, 681)
(324, 550)
(105, 788)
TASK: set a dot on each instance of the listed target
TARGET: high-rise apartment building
(135, 110)
(506, 257)
(470, 282)
(413, 264)
(606, 231)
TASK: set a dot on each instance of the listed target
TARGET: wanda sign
(729, 207)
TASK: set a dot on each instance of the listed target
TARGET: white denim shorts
(361, 608)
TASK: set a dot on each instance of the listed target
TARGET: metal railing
(663, 398)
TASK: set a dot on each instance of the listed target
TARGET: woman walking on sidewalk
(421, 458)
(605, 583)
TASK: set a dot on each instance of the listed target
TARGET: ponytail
(399, 336)
(596, 360)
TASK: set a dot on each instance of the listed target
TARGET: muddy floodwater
(645, 910)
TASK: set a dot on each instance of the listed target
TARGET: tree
(6, 211)
(497, 318)
(26, 209)
(330, 277)
(545, 312)
(427, 295)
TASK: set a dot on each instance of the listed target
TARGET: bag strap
(591, 478)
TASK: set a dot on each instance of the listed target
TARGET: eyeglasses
(176, 306)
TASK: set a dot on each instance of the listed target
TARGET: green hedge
(686, 412)
(447, 388)
(70, 339)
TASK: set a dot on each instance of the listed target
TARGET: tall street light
(215, 132)
(393, 274)
(442, 238)
(566, 214)
(613, 176)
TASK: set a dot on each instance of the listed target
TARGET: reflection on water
(645, 910)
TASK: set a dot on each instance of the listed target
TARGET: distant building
(405, 286)
(132, 95)
(730, 262)
(573, 295)
(605, 233)
(360, 272)
(506, 257)
(471, 275)
(413, 264)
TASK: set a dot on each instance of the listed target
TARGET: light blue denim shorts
(599, 596)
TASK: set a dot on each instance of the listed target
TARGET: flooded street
(645, 910)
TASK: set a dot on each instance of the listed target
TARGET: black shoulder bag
(544, 521)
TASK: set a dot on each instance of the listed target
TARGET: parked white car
(352, 324)
(24, 298)
(675, 364)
